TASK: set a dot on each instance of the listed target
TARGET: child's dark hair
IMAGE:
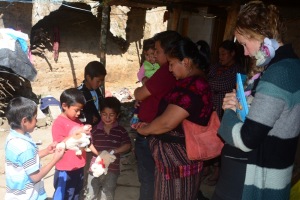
(148, 44)
(17, 109)
(72, 96)
(166, 38)
(94, 69)
(112, 103)
(186, 48)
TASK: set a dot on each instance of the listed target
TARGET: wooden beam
(137, 3)
(190, 5)
(233, 12)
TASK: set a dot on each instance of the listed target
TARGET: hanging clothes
(56, 42)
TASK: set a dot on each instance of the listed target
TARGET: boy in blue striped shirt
(22, 158)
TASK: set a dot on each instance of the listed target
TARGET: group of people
(85, 110)
(256, 161)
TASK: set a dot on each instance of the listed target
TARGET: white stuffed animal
(100, 166)
(76, 142)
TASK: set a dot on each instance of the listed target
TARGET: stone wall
(16, 16)
(79, 42)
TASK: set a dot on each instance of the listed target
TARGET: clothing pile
(124, 95)
(16, 70)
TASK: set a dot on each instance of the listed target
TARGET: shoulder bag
(202, 142)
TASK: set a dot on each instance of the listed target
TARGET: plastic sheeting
(17, 61)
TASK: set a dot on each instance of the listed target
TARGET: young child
(149, 66)
(94, 75)
(68, 177)
(110, 136)
(22, 158)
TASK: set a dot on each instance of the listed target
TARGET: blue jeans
(146, 168)
(68, 184)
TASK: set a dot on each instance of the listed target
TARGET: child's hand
(144, 80)
(107, 157)
(136, 104)
(139, 125)
(95, 119)
(51, 148)
(87, 129)
(58, 154)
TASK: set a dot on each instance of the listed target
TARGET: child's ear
(24, 120)
(64, 106)
(88, 77)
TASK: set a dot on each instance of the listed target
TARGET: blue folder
(242, 109)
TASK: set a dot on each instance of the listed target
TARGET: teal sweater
(268, 137)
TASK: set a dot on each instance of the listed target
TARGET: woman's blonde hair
(257, 20)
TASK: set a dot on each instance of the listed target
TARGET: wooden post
(185, 27)
(217, 37)
(175, 19)
(233, 12)
(105, 20)
(105, 16)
